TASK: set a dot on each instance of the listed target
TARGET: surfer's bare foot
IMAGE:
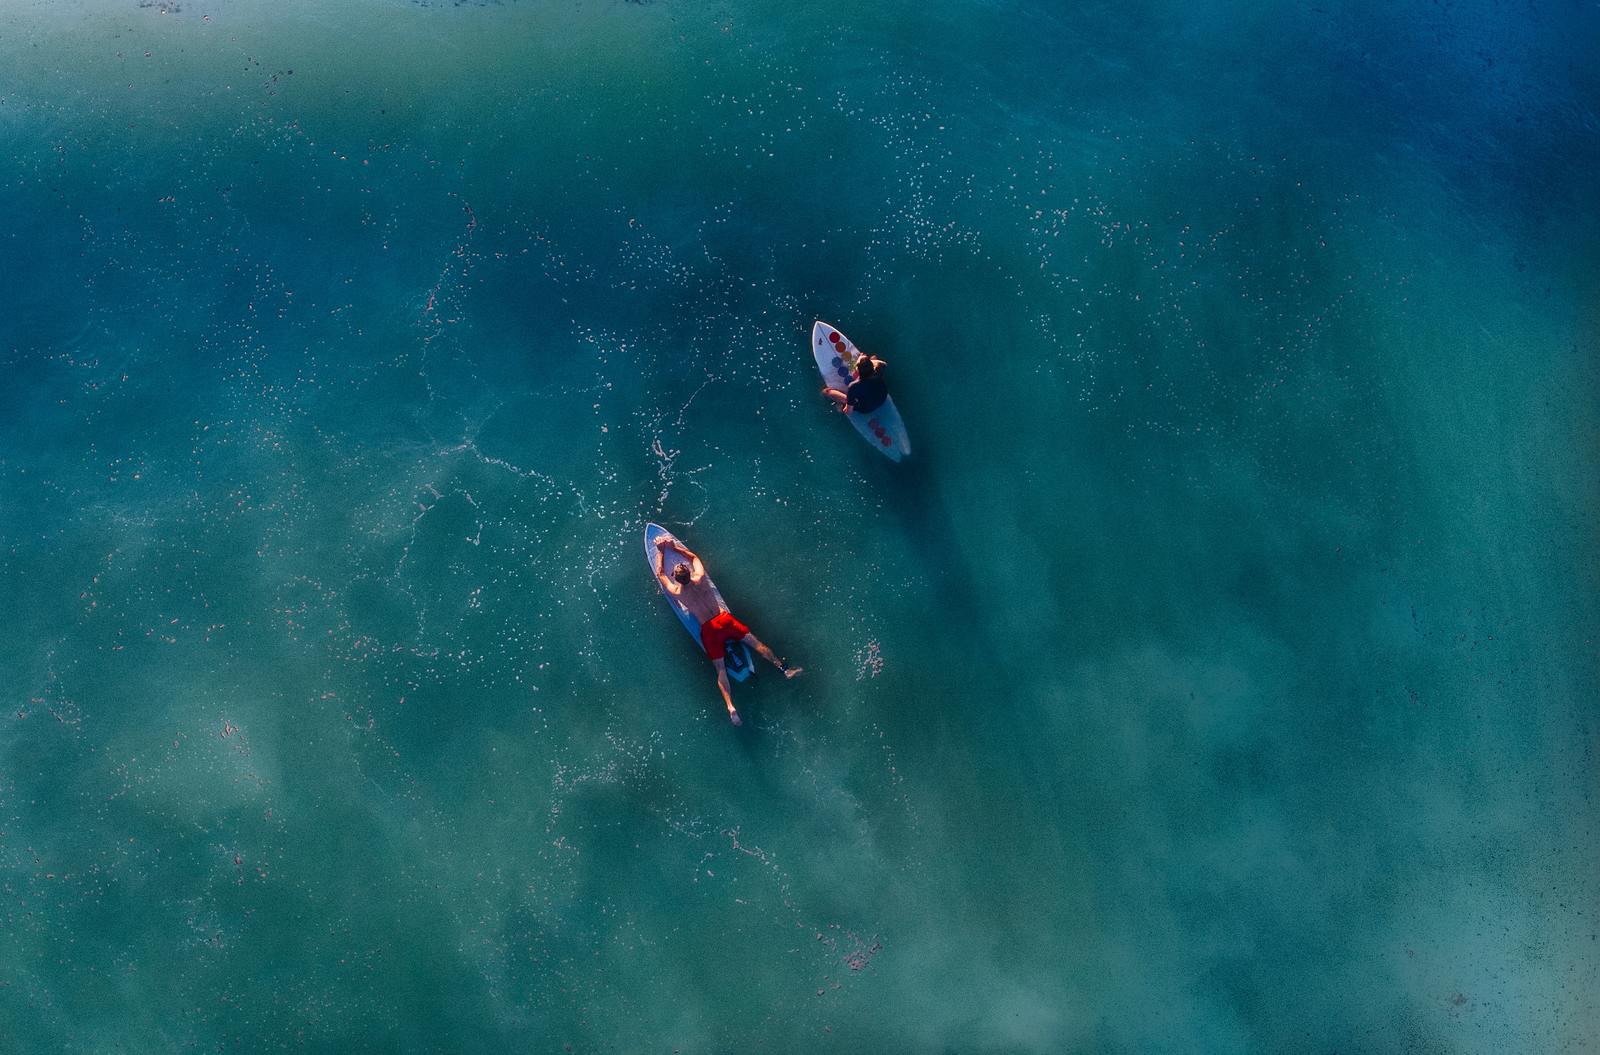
(792, 672)
(733, 716)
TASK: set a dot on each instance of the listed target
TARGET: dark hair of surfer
(864, 367)
(682, 573)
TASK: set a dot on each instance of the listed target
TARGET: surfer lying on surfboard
(867, 392)
(717, 625)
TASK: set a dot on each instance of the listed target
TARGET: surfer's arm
(661, 572)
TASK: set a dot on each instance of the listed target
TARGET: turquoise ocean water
(1219, 675)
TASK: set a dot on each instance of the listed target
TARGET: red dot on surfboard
(885, 440)
(834, 337)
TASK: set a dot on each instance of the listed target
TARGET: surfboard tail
(737, 661)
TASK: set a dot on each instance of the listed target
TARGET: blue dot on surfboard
(838, 363)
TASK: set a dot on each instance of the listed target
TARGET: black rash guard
(867, 394)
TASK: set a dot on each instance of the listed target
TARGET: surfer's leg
(767, 654)
(722, 686)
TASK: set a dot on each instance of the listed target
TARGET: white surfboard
(836, 358)
(737, 661)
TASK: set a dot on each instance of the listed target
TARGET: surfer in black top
(867, 392)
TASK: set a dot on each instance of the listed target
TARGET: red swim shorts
(716, 632)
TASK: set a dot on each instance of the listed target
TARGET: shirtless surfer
(717, 625)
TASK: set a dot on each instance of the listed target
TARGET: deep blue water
(1220, 674)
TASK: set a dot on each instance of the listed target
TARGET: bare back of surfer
(718, 627)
